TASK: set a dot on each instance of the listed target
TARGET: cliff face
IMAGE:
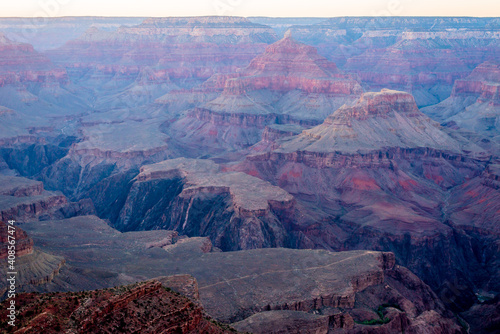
(403, 66)
(377, 202)
(482, 82)
(24, 245)
(287, 65)
(112, 309)
(33, 267)
(194, 197)
(302, 288)
(304, 160)
(351, 289)
(375, 122)
(24, 199)
(147, 307)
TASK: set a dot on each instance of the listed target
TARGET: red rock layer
(24, 244)
(21, 63)
(142, 308)
(484, 82)
(380, 105)
(288, 65)
(185, 47)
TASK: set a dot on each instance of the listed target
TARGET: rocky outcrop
(12, 207)
(423, 56)
(128, 308)
(24, 199)
(235, 210)
(483, 83)
(378, 202)
(33, 271)
(32, 267)
(402, 67)
(288, 65)
(24, 244)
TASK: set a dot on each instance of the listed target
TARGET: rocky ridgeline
(172, 44)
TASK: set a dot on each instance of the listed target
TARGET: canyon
(261, 175)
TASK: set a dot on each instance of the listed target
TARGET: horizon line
(250, 16)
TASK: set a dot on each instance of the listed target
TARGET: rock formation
(24, 245)
(474, 106)
(288, 84)
(236, 210)
(33, 267)
(20, 63)
(423, 56)
(209, 144)
(377, 121)
(147, 307)
(21, 198)
(186, 48)
(380, 173)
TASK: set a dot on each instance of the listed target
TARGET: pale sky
(274, 8)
